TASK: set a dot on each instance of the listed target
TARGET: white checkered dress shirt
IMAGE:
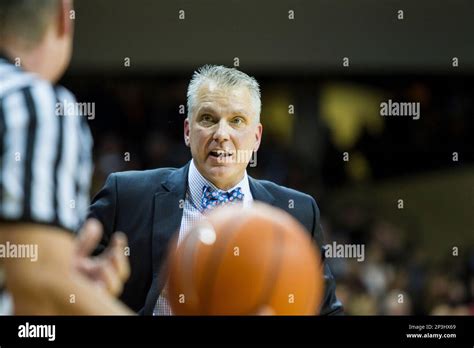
(193, 212)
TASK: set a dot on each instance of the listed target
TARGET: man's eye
(206, 118)
(238, 121)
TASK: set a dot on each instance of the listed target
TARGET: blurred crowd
(398, 276)
(139, 125)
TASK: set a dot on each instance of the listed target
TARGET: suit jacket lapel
(260, 193)
(168, 211)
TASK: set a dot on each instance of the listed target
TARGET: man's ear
(64, 17)
(186, 132)
(258, 137)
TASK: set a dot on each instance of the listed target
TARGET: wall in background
(261, 35)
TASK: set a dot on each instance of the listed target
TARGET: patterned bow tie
(211, 199)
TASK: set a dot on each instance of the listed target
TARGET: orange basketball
(240, 260)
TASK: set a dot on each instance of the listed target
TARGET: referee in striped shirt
(45, 171)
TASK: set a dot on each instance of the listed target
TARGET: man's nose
(222, 132)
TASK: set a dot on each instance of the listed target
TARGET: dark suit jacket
(145, 205)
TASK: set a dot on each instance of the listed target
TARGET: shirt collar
(196, 182)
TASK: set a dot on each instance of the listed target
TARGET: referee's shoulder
(40, 94)
(43, 90)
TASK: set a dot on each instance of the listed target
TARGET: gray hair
(225, 78)
(26, 20)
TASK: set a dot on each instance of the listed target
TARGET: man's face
(222, 133)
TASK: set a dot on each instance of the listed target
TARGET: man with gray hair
(223, 130)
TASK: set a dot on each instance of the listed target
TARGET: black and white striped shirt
(45, 155)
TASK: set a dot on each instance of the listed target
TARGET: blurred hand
(111, 269)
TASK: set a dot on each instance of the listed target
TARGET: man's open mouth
(220, 153)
